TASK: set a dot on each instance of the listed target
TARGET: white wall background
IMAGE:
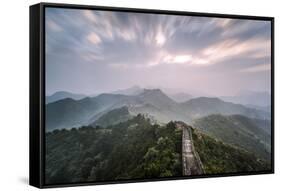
(14, 88)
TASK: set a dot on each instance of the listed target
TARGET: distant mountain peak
(206, 99)
(134, 90)
(64, 93)
(152, 91)
(59, 92)
(59, 95)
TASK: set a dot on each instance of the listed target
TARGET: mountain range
(62, 95)
(137, 133)
(68, 112)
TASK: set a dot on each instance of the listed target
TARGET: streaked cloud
(94, 38)
(230, 48)
(154, 45)
(90, 15)
(178, 59)
(53, 26)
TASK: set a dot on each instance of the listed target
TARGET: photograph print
(145, 96)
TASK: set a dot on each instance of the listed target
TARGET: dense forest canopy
(135, 149)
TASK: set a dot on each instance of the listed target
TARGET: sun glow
(179, 59)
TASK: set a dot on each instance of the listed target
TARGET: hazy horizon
(168, 91)
(90, 52)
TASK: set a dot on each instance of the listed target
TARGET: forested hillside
(240, 131)
(218, 157)
(135, 149)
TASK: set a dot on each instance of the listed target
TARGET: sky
(90, 51)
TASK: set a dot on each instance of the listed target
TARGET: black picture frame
(37, 91)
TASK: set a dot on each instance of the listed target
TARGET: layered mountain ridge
(67, 113)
